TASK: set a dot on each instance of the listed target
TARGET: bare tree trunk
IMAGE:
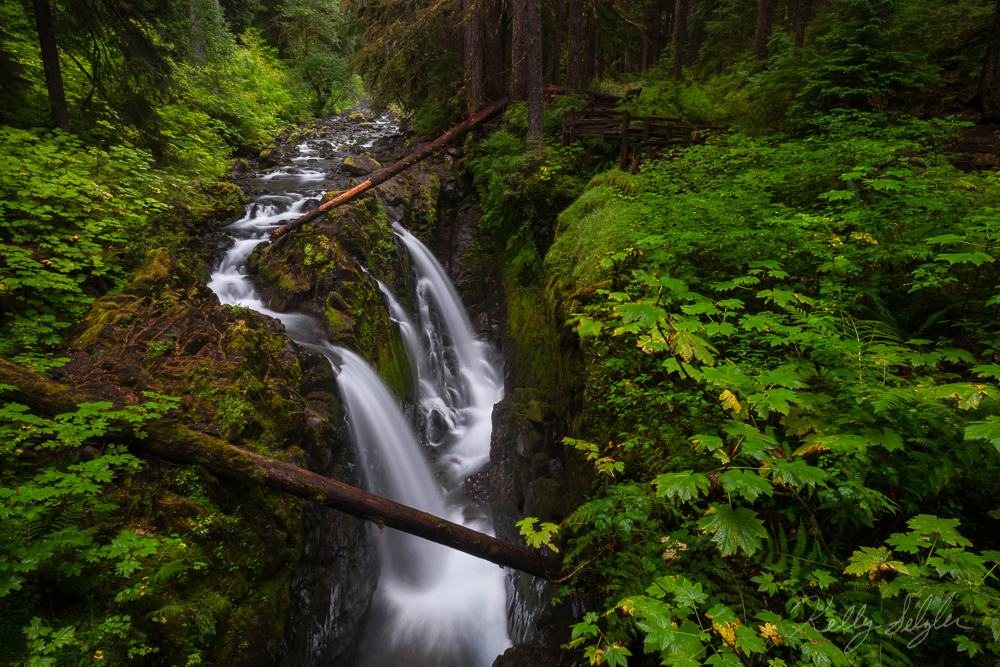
(534, 55)
(765, 18)
(555, 76)
(519, 53)
(574, 48)
(680, 30)
(989, 76)
(50, 64)
(801, 21)
(473, 51)
(493, 49)
(590, 53)
(404, 164)
(175, 441)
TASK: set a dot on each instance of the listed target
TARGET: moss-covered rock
(360, 165)
(413, 199)
(320, 271)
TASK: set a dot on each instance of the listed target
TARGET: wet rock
(538, 656)
(360, 166)
(320, 271)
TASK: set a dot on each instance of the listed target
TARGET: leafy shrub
(72, 219)
(795, 372)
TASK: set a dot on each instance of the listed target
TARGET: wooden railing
(650, 135)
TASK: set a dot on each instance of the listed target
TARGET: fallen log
(174, 441)
(404, 164)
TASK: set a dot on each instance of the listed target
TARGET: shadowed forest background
(763, 369)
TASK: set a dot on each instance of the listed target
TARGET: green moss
(589, 230)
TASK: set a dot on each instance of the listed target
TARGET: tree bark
(172, 440)
(493, 49)
(989, 76)
(574, 47)
(519, 53)
(555, 76)
(402, 165)
(802, 8)
(765, 18)
(534, 67)
(50, 64)
(473, 52)
(680, 32)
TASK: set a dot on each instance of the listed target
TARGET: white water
(434, 606)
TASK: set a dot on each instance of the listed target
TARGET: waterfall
(434, 606)
(458, 619)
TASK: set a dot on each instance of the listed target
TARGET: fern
(170, 570)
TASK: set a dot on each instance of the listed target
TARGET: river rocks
(360, 165)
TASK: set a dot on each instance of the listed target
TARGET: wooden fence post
(572, 125)
(623, 159)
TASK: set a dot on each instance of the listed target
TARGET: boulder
(360, 166)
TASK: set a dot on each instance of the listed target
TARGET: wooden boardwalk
(649, 136)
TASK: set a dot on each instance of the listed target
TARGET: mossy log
(404, 164)
(174, 441)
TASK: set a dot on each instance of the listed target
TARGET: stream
(433, 606)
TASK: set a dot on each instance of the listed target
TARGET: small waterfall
(434, 606)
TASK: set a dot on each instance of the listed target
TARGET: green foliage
(47, 512)
(523, 193)
(319, 39)
(72, 221)
(857, 64)
(795, 347)
(244, 90)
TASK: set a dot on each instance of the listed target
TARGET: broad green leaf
(928, 524)
(721, 614)
(870, 559)
(747, 483)
(977, 258)
(988, 430)
(682, 485)
(748, 641)
(734, 529)
(687, 594)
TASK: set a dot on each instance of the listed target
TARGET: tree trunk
(473, 52)
(574, 47)
(174, 441)
(555, 76)
(765, 17)
(801, 21)
(519, 53)
(589, 53)
(680, 32)
(493, 49)
(50, 64)
(402, 165)
(989, 76)
(535, 95)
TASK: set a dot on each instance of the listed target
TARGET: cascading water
(434, 606)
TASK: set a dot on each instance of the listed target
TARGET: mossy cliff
(276, 578)
(320, 271)
(533, 473)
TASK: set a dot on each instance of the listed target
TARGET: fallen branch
(172, 440)
(404, 164)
